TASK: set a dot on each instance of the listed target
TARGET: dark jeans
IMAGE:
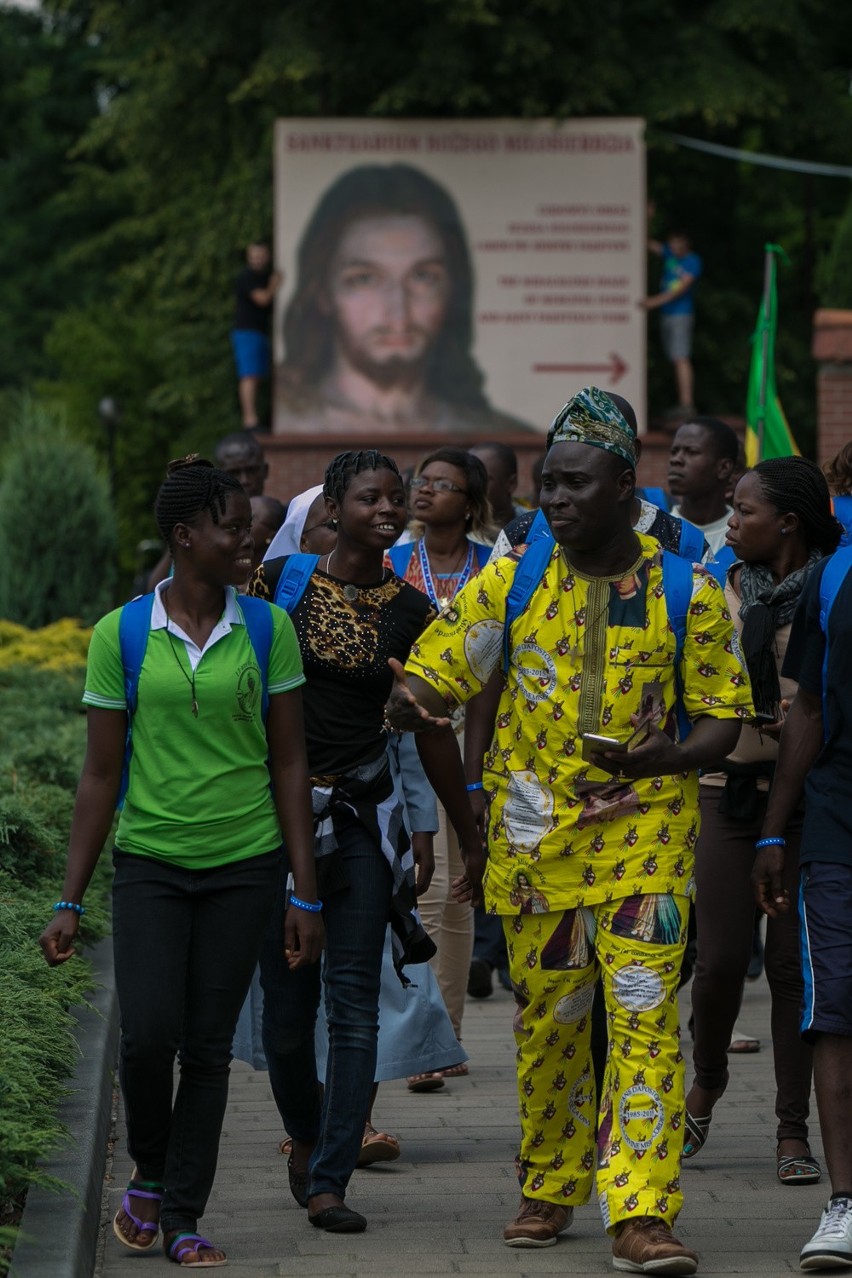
(355, 922)
(489, 940)
(186, 943)
(724, 907)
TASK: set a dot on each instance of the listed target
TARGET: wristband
(305, 905)
(474, 785)
(69, 905)
(771, 843)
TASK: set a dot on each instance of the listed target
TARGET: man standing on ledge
(590, 849)
(256, 287)
(676, 303)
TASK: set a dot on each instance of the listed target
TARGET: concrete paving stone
(441, 1208)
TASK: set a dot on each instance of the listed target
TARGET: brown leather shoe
(648, 1246)
(537, 1224)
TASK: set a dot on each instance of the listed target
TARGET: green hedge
(42, 740)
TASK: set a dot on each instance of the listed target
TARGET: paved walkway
(441, 1208)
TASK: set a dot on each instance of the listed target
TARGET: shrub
(57, 536)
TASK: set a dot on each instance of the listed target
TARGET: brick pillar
(832, 349)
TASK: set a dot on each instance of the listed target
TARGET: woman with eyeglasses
(449, 500)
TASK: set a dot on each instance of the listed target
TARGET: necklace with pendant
(350, 592)
(190, 681)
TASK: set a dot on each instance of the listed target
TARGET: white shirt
(715, 532)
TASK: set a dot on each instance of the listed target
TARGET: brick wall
(297, 463)
(832, 349)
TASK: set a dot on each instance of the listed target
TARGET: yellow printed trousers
(635, 945)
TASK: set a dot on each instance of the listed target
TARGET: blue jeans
(185, 944)
(355, 922)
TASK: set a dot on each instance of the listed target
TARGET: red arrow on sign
(615, 369)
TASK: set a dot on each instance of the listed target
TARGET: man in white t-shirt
(703, 456)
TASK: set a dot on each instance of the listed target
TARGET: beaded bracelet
(70, 905)
(305, 905)
(771, 843)
(474, 785)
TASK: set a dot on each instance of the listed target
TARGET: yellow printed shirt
(585, 655)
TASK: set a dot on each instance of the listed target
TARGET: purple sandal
(150, 1228)
(185, 1244)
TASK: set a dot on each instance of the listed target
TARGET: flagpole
(768, 267)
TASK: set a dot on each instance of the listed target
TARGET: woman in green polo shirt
(197, 850)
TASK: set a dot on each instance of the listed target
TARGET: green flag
(767, 433)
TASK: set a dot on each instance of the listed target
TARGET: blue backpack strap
(257, 615)
(538, 528)
(842, 507)
(481, 554)
(528, 574)
(294, 579)
(833, 577)
(677, 588)
(691, 542)
(719, 565)
(400, 557)
(134, 626)
(656, 496)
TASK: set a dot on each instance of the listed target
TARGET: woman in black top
(351, 619)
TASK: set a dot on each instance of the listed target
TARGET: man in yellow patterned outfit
(590, 854)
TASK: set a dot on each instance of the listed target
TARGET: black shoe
(298, 1183)
(339, 1220)
(479, 979)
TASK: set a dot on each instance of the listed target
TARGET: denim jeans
(186, 943)
(355, 922)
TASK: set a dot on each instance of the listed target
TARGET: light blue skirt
(415, 1033)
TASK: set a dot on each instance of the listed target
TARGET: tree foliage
(176, 167)
(57, 537)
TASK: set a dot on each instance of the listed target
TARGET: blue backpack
(842, 507)
(677, 588)
(833, 577)
(134, 627)
(720, 563)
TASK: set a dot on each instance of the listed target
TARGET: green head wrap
(592, 418)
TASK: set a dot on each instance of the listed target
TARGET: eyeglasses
(325, 523)
(437, 485)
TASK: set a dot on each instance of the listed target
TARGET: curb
(59, 1232)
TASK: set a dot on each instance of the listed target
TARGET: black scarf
(765, 607)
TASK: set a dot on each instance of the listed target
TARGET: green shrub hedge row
(42, 739)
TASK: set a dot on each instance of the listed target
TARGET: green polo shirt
(198, 788)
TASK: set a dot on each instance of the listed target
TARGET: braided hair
(794, 485)
(346, 466)
(192, 485)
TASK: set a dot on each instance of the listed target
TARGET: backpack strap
(400, 557)
(842, 507)
(691, 542)
(293, 582)
(134, 627)
(719, 565)
(538, 528)
(528, 574)
(257, 614)
(656, 497)
(482, 554)
(833, 577)
(677, 588)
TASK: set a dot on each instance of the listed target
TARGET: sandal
(742, 1042)
(425, 1082)
(150, 1189)
(801, 1170)
(192, 1245)
(697, 1131)
(456, 1071)
(377, 1147)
